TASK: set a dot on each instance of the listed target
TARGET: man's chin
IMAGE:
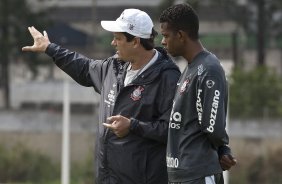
(173, 54)
(118, 56)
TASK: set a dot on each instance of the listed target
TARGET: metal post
(65, 168)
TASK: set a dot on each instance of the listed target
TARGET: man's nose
(113, 43)
(163, 42)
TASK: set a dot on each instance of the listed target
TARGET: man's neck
(192, 50)
(142, 59)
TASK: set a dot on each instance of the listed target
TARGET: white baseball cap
(133, 21)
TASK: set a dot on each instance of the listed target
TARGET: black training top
(198, 120)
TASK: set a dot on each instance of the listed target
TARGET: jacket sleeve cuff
(223, 150)
(51, 49)
(133, 124)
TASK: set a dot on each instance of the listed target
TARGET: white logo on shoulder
(210, 83)
(200, 69)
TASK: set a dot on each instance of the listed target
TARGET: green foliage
(21, 165)
(255, 94)
(219, 41)
(18, 164)
(83, 173)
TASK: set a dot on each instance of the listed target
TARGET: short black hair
(182, 17)
(148, 44)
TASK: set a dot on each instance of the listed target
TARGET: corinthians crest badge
(136, 94)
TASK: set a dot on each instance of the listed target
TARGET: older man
(137, 88)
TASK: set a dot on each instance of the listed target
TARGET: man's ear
(182, 35)
(136, 42)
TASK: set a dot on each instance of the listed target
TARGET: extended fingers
(27, 48)
(45, 34)
(34, 32)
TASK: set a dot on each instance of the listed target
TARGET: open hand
(41, 41)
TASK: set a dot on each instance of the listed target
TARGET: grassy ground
(259, 160)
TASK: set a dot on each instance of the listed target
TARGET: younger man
(197, 123)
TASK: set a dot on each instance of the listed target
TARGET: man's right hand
(41, 41)
(227, 161)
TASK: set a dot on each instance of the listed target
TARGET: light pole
(65, 168)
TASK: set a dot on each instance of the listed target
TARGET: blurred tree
(255, 94)
(22, 165)
(163, 5)
(166, 3)
(15, 17)
(261, 18)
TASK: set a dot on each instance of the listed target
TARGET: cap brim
(111, 26)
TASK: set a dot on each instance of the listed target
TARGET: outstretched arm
(83, 70)
(41, 41)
